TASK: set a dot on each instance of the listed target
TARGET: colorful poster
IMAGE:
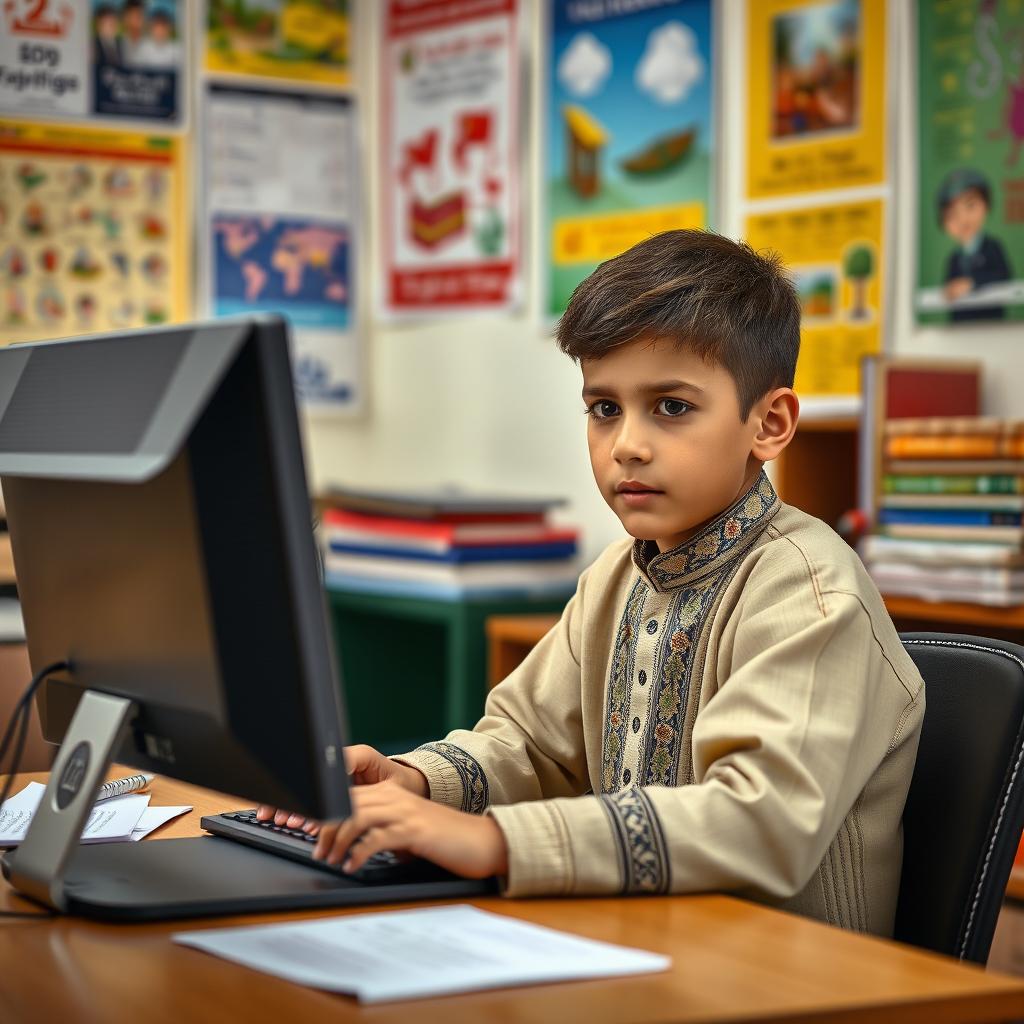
(815, 95)
(92, 231)
(137, 57)
(305, 40)
(279, 231)
(970, 257)
(836, 257)
(629, 130)
(78, 58)
(44, 51)
(450, 93)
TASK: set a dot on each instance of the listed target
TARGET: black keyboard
(383, 868)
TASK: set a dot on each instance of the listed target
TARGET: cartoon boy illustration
(964, 202)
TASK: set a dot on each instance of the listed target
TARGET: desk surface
(732, 961)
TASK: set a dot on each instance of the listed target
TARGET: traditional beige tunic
(735, 714)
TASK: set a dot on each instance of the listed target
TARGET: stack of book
(949, 511)
(446, 546)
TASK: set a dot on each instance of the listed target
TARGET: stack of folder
(949, 515)
(446, 546)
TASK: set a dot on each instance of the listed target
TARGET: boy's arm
(529, 744)
(781, 754)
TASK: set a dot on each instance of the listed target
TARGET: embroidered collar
(724, 539)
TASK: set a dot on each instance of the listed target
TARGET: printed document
(109, 821)
(409, 954)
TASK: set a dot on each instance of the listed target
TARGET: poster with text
(452, 215)
(835, 256)
(629, 130)
(970, 236)
(78, 58)
(305, 40)
(279, 230)
(815, 95)
(92, 231)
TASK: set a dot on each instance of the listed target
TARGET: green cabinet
(413, 669)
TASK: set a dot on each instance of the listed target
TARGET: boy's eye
(673, 406)
(602, 409)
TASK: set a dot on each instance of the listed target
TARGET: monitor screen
(161, 529)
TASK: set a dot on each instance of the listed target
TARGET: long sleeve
(807, 709)
(529, 744)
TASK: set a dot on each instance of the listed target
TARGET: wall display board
(629, 137)
(815, 95)
(302, 40)
(86, 58)
(277, 232)
(970, 170)
(836, 257)
(450, 128)
(92, 230)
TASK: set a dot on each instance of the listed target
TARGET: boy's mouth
(634, 492)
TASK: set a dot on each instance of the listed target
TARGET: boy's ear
(776, 417)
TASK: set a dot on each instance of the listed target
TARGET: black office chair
(965, 809)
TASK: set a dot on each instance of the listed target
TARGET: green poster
(970, 258)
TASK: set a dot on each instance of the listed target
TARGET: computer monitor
(163, 544)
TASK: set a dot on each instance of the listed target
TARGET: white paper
(153, 817)
(409, 954)
(109, 821)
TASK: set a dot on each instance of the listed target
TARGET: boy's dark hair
(718, 298)
(959, 181)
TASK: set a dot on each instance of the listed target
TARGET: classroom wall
(488, 402)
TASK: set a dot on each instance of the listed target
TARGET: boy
(979, 259)
(725, 703)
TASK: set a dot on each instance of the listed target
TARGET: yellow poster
(93, 231)
(815, 95)
(834, 254)
(305, 40)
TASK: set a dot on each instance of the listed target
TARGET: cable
(19, 720)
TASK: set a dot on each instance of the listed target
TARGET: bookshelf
(818, 471)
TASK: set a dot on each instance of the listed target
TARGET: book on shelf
(427, 535)
(930, 531)
(948, 517)
(564, 570)
(996, 502)
(951, 483)
(939, 553)
(446, 505)
(461, 555)
(896, 388)
(948, 437)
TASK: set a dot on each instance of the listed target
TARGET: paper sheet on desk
(110, 821)
(409, 954)
(152, 818)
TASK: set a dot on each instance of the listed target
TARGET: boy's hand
(365, 767)
(958, 287)
(385, 816)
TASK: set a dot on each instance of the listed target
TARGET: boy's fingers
(295, 820)
(369, 843)
(264, 812)
(280, 817)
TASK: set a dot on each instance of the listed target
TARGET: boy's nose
(631, 443)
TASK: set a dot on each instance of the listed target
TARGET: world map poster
(279, 231)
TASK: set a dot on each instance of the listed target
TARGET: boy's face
(667, 444)
(965, 216)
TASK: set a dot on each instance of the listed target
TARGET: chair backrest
(965, 808)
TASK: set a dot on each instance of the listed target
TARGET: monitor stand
(167, 878)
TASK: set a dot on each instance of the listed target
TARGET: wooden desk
(510, 638)
(732, 961)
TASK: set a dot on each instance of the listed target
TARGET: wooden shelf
(818, 471)
(954, 612)
(1015, 886)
